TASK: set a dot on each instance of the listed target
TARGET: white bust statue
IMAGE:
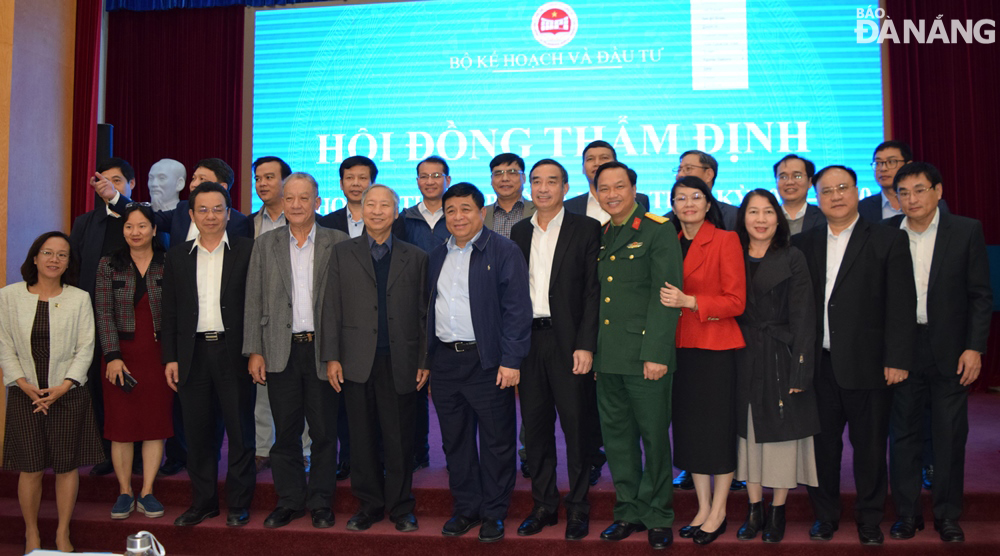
(166, 180)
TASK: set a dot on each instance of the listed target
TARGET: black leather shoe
(536, 521)
(906, 527)
(343, 470)
(170, 468)
(870, 535)
(577, 526)
(459, 525)
(406, 524)
(928, 476)
(684, 481)
(322, 518)
(660, 537)
(282, 516)
(595, 474)
(237, 517)
(491, 531)
(621, 530)
(525, 470)
(737, 485)
(703, 537)
(950, 530)
(194, 516)
(102, 469)
(823, 530)
(688, 531)
(754, 522)
(362, 521)
(774, 529)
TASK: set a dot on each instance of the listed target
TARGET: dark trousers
(297, 395)
(373, 406)
(866, 414)
(213, 386)
(343, 429)
(421, 426)
(949, 405)
(468, 401)
(547, 385)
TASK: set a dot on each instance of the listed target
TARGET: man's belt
(459, 347)
(213, 336)
(303, 337)
(543, 323)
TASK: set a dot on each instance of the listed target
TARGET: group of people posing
(755, 333)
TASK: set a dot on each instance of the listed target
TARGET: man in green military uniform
(635, 352)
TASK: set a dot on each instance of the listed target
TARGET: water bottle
(143, 543)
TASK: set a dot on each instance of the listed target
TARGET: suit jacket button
(289, 305)
(288, 326)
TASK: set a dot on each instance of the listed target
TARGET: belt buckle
(211, 336)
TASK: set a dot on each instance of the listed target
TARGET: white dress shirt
(452, 309)
(302, 281)
(354, 228)
(922, 251)
(543, 250)
(836, 246)
(430, 217)
(595, 211)
(209, 276)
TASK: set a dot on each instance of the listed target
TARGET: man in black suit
(95, 234)
(379, 373)
(703, 165)
(356, 174)
(888, 158)
(954, 308)
(793, 175)
(865, 304)
(561, 249)
(594, 154)
(204, 286)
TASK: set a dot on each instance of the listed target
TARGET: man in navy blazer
(176, 221)
(888, 158)
(478, 331)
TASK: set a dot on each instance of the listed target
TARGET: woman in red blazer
(704, 389)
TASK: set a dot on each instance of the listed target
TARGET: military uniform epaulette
(657, 218)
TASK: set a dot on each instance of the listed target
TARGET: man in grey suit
(507, 179)
(285, 287)
(378, 357)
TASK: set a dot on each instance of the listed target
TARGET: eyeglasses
(918, 192)
(135, 204)
(61, 256)
(797, 176)
(681, 198)
(218, 211)
(839, 188)
(434, 176)
(890, 164)
(688, 168)
(510, 172)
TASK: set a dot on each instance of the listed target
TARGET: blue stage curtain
(154, 5)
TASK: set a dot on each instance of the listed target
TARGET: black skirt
(704, 411)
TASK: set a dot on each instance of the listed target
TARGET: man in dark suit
(888, 158)
(356, 174)
(705, 166)
(380, 373)
(95, 234)
(954, 308)
(204, 285)
(865, 307)
(285, 289)
(561, 249)
(594, 154)
(793, 175)
(478, 331)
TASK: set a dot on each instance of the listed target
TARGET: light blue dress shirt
(453, 312)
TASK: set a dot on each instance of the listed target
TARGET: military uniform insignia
(636, 222)
(657, 218)
(634, 245)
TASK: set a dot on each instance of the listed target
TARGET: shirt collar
(556, 220)
(497, 207)
(371, 241)
(426, 211)
(265, 214)
(197, 242)
(849, 230)
(932, 226)
(111, 213)
(635, 207)
(311, 238)
(885, 200)
(453, 246)
(800, 216)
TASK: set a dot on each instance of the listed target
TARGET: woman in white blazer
(46, 346)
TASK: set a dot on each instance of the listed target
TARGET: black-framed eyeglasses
(890, 164)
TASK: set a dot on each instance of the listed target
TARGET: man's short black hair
(915, 169)
(209, 187)
(434, 160)
(549, 161)
(600, 144)
(904, 149)
(506, 158)
(819, 175)
(223, 172)
(464, 189)
(810, 167)
(358, 160)
(707, 160)
(286, 170)
(632, 176)
(120, 163)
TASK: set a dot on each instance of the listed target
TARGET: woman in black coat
(777, 414)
